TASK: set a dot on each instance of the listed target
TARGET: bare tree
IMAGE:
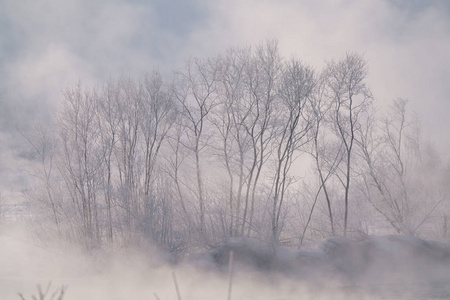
(175, 162)
(325, 152)
(351, 99)
(394, 159)
(157, 118)
(296, 86)
(262, 78)
(195, 91)
(127, 153)
(80, 161)
(43, 147)
(157, 114)
(108, 122)
(231, 115)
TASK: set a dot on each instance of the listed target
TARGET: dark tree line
(244, 144)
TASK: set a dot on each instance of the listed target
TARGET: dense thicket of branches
(245, 144)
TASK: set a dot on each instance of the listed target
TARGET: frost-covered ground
(389, 267)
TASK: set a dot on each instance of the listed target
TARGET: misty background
(46, 46)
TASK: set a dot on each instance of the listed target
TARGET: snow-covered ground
(388, 267)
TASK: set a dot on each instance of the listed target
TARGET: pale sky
(48, 45)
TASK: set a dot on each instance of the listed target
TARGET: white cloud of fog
(380, 268)
(48, 45)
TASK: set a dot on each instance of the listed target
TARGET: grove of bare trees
(243, 144)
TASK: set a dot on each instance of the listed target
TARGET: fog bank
(390, 267)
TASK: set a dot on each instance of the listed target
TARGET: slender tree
(262, 77)
(80, 161)
(297, 84)
(351, 99)
(325, 152)
(196, 93)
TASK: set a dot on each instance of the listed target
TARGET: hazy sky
(47, 45)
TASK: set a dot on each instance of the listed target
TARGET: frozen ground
(389, 267)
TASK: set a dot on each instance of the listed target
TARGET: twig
(176, 285)
(42, 294)
(230, 273)
(59, 292)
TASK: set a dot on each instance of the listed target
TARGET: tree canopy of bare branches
(217, 151)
